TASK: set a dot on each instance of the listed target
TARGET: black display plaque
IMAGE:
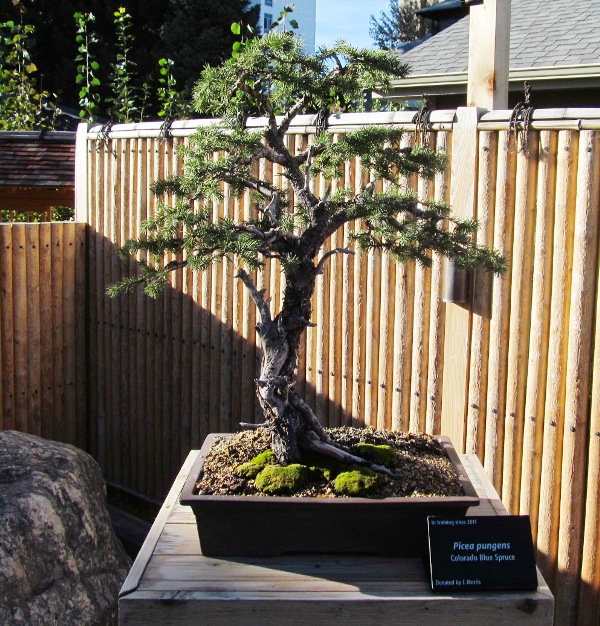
(481, 553)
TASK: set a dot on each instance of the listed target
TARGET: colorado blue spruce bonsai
(272, 78)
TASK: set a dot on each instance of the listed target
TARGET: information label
(481, 553)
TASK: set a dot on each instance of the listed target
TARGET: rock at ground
(60, 561)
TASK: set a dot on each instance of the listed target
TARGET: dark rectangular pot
(268, 525)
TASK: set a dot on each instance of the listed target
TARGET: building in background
(305, 13)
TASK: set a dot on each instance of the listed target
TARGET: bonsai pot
(272, 525)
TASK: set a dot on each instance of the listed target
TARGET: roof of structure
(542, 34)
(33, 159)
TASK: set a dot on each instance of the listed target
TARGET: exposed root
(312, 442)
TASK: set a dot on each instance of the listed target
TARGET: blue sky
(347, 19)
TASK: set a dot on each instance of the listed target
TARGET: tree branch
(262, 304)
(322, 261)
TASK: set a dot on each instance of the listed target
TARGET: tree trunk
(292, 424)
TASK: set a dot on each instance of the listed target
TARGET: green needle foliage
(272, 78)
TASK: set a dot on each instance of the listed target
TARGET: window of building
(268, 21)
(268, 3)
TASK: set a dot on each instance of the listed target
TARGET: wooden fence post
(489, 52)
(81, 174)
(457, 340)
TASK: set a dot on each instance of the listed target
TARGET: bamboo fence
(513, 374)
(43, 331)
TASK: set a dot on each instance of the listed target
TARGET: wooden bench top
(171, 582)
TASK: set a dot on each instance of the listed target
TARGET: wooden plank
(324, 609)
(136, 572)
(578, 382)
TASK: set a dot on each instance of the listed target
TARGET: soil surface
(422, 469)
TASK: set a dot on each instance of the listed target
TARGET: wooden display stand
(172, 583)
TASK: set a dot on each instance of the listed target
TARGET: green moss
(359, 482)
(277, 479)
(382, 455)
(249, 469)
(254, 466)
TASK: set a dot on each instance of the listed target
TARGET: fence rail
(513, 375)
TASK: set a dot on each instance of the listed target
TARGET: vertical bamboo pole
(578, 384)
(589, 592)
(373, 334)
(179, 418)
(336, 306)
(520, 318)
(126, 355)
(82, 364)
(141, 321)
(263, 282)
(347, 306)
(129, 363)
(236, 327)
(535, 398)
(19, 281)
(248, 339)
(7, 420)
(385, 371)
(420, 343)
(403, 322)
(359, 375)
(562, 263)
(322, 291)
(69, 330)
(93, 271)
(205, 361)
(34, 321)
(499, 331)
(481, 297)
(435, 365)
(226, 315)
(152, 443)
(46, 347)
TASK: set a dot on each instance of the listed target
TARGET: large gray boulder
(60, 561)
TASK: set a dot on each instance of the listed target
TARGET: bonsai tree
(272, 78)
